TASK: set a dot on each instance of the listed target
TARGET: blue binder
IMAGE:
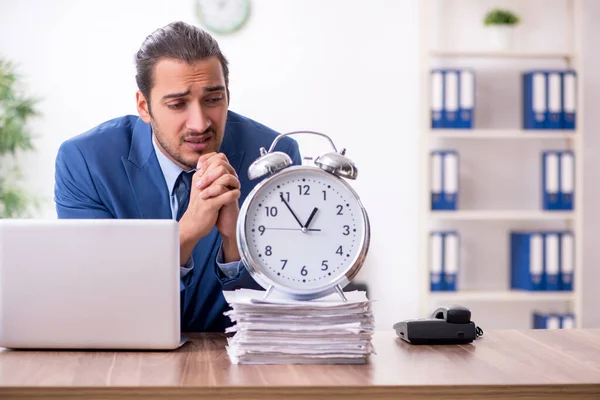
(450, 180)
(527, 260)
(436, 262)
(567, 180)
(437, 176)
(535, 100)
(444, 185)
(451, 265)
(551, 262)
(554, 101)
(543, 320)
(553, 321)
(551, 180)
(466, 96)
(567, 260)
(567, 321)
(437, 98)
(539, 320)
(451, 99)
(569, 99)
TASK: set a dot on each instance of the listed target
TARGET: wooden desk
(558, 364)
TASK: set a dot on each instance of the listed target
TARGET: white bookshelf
(520, 134)
(501, 54)
(502, 215)
(502, 295)
(569, 140)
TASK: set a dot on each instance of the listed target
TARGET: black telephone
(447, 325)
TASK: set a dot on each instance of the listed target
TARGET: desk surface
(502, 364)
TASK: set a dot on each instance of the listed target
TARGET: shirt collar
(170, 170)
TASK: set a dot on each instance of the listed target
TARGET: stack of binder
(542, 260)
(558, 176)
(452, 98)
(549, 99)
(444, 179)
(444, 261)
(278, 330)
(553, 320)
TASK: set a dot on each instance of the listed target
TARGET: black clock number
(261, 229)
(304, 190)
(340, 208)
(271, 211)
(284, 263)
(346, 230)
(339, 251)
(303, 271)
(324, 265)
(324, 195)
(286, 195)
(268, 251)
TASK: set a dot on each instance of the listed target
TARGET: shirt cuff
(229, 269)
(185, 269)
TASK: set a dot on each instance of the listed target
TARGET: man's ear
(143, 107)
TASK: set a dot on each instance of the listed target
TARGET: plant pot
(500, 36)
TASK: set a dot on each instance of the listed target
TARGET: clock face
(223, 16)
(304, 228)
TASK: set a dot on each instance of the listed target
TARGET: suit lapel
(145, 176)
(233, 147)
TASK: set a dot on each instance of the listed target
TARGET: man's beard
(174, 152)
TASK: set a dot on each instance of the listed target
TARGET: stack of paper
(279, 330)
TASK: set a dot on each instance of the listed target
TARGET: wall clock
(223, 16)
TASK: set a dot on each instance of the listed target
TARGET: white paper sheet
(280, 330)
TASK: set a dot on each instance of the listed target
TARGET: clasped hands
(213, 202)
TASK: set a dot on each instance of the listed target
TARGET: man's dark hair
(178, 41)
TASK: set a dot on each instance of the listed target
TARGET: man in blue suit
(185, 157)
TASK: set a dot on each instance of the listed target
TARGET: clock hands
(292, 229)
(310, 218)
(289, 208)
(303, 228)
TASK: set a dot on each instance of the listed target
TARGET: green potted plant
(500, 24)
(16, 109)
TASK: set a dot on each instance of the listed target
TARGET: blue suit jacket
(112, 171)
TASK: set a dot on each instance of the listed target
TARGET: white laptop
(89, 284)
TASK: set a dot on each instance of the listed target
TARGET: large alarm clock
(303, 231)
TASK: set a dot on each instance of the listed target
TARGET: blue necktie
(182, 191)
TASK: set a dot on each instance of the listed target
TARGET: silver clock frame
(324, 168)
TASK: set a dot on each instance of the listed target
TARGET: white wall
(346, 68)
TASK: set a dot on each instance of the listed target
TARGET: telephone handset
(453, 314)
(447, 325)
